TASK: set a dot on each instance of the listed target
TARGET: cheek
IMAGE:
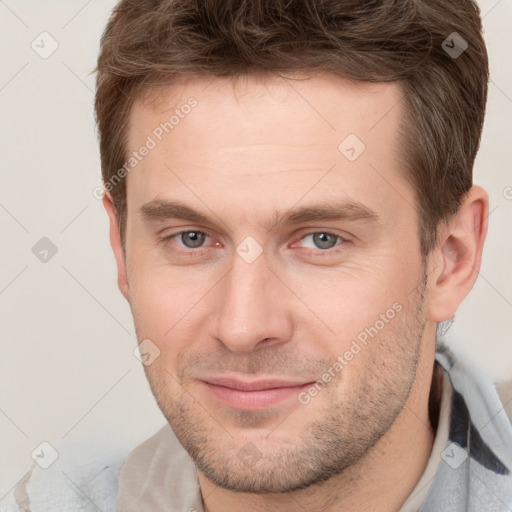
(154, 293)
(365, 315)
(165, 305)
(171, 304)
(152, 310)
(343, 301)
(159, 332)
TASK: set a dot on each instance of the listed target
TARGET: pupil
(194, 236)
(322, 240)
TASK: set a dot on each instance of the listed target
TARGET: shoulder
(159, 472)
(480, 436)
(484, 397)
(504, 390)
(62, 487)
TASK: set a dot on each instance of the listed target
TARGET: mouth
(252, 395)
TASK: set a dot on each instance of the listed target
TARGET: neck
(382, 480)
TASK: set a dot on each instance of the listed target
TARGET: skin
(243, 153)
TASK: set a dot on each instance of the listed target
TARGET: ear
(458, 255)
(115, 242)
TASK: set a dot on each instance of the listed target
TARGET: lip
(252, 395)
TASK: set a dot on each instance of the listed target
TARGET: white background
(68, 375)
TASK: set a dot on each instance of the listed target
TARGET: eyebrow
(160, 210)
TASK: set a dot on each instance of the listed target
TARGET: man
(292, 213)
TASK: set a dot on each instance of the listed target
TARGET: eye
(195, 242)
(323, 240)
(192, 239)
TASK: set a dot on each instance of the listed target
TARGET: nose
(253, 307)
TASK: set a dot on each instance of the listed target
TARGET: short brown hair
(148, 42)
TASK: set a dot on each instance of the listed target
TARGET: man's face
(251, 305)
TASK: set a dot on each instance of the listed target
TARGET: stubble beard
(348, 426)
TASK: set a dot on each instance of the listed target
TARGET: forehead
(267, 136)
(328, 104)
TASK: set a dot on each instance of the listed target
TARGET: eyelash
(321, 252)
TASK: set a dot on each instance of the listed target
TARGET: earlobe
(460, 254)
(117, 248)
